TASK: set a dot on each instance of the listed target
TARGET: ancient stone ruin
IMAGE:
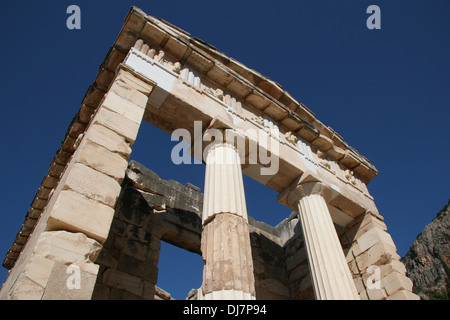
(95, 227)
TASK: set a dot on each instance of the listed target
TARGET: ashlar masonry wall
(151, 210)
(74, 221)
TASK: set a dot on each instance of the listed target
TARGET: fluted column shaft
(226, 251)
(330, 274)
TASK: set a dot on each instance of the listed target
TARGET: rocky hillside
(428, 259)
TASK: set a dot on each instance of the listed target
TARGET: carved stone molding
(299, 190)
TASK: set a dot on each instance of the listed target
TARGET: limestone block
(352, 252)
(87, 266)
(129, 93)
(38, 269)
(149, 290)
(121, 280)
(367, 222)
(120, 294)
(27, 289)
(306, 283)
(93, 184)
(298, 272)
(275, 286)
(295, 259)
(361, 263)
(122, 125)
(353, 267)
(258, 267)
(359, 284)
(101, 292)
(137, 233)
(151, 273)
(380, 253)
(376, 294)
(106, 259)
(66, 247)
(108, 139)
(403, 295)
(133, 82)
(363, 295)
(371, 237)
(59, 288)
(103, 160)
(132, 265)
(77, 213)
(392, 266)
(130, 247)
(123, 107)
(396, 281)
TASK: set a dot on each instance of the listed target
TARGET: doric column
(228, 271)
(330, 274)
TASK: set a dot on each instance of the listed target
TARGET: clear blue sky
(387, 92)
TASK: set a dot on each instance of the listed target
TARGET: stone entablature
(240, 118)
(343, 157)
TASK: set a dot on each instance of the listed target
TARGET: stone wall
(80, 206)
(150, 210)
(372, 257)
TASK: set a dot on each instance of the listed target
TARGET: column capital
(219, 137)
(298, 190)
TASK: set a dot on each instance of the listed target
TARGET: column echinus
(226, 251)
(330, 274)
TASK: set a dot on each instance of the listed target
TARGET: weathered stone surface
(122, 125)
(127, 79)
(403, 295)
(27, 289)
(67, 247)
(60, 288)
(93, 184)
(39, 270)
(103, 160)
(373, 236)
(122, 280)
(395, 281)
(77, 213)
(123, 107)
(379, 253)
(127, 92)
(227, 267)
(108, 139)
